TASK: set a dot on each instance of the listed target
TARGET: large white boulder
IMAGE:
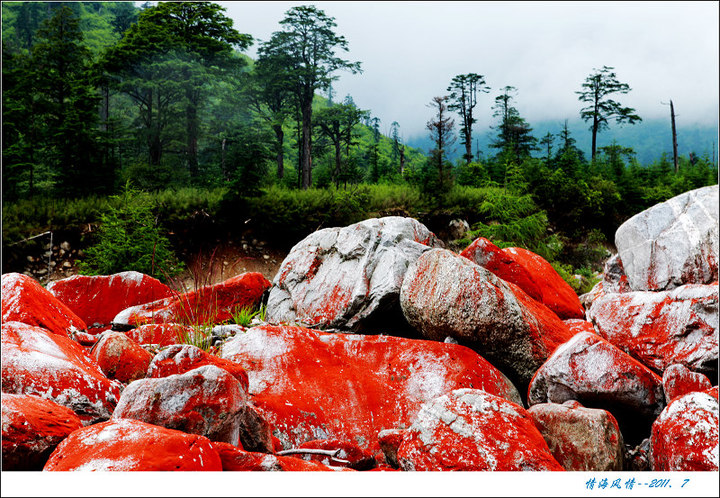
(672, 243)
(340, 277)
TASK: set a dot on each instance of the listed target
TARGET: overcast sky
(411, 50)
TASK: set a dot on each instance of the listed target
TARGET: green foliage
(129, 238)
(198, 335)
(244, 316)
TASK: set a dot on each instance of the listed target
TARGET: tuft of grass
(199, 335)
(244, 315)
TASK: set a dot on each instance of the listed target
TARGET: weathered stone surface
(211, 304)
(343, 277)
(685, 436)
(131, 445)
(206, 401)
(678, 381)
(32, 427)
(580, 438)
(529, 271)
(555, 293)
(663, 328)
(182, 358)
(444, 294)
(313, 385)
(238, 460)
(614, 281)
(52, 366)
(469, 429)
(25, 300)
(592, 371)
(121, 358)
(160, 334)
(97, 299)
(672, 243)
(502, 264)
(575, 326)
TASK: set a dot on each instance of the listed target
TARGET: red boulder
(131, 445)
(207, 305)
(97, 299)
(575, 326)
(31, 429)
(580, 438)
(25, 300)
(685, 435)
(678, 380)
(313, 385)
(181, 358)
(503, 265)
(36, 361)
(121, 358)
(469, 429)
(556, 292)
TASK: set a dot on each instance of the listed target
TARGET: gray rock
(345, 277)
(672, 243)
(592, 371)
(445, 294)
(584, 439)
(207, 400)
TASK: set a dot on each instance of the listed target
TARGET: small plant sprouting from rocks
(244, 316)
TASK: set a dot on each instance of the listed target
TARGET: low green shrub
(130, 238)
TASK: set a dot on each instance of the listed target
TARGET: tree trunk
(280, 140)
(306, 165)
(402, 160)
(594, 136)
(674, 136)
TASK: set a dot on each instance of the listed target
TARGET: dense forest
(103, 99)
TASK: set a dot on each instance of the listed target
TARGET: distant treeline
(96, 94)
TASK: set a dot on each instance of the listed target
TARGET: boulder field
(378, 350)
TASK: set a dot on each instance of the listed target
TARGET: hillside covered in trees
(105, 97)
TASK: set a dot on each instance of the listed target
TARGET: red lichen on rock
(52, 366)
(211, 304)
(678, 380)
(97, 299)
(131, 445)
(663, 328)
(313, 385)
(469, 429)
(181, 358)
(685, 436)
(25, 300)
(556, 293)
(591, 370)
(121, 358)
(31, 429)
(444, 294)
